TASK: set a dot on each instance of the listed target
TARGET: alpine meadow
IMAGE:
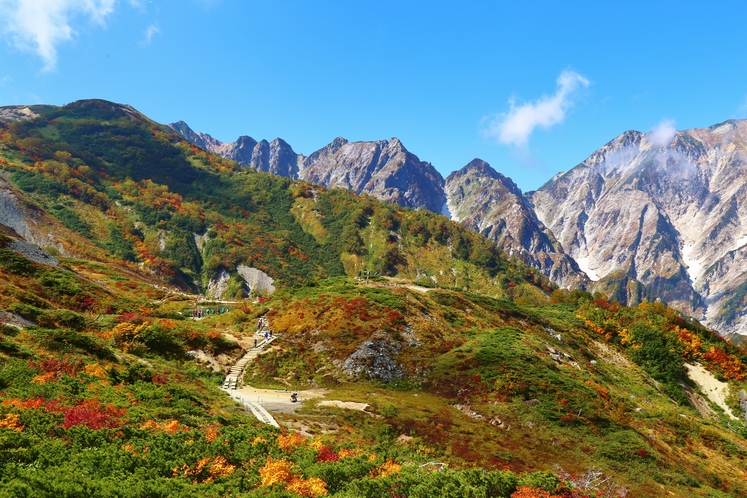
(161, 303)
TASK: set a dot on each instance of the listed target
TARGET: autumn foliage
(275, 472)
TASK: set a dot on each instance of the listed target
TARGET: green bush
(15, 263)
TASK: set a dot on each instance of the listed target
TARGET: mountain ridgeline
(640, 219)
(141, 192)
(388, 171)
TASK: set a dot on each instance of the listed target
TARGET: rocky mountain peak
(667, 212)
(488, 202)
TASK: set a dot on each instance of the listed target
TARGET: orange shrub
(289, 441)
(530, 492)
(275, 472)
(211, 433)
(733, 368)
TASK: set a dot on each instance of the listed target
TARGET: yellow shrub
(94, 370)
(11, 421)
(386, 468)
(308, 487)
(43, 378)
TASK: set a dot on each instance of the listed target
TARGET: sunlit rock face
(669, 210)
(488, 202)
(384, 169)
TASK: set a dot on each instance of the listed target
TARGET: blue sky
(531, 87)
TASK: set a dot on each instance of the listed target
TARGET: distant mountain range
(639, 219)
(477, 195)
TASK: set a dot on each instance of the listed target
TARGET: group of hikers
(263, 323)
(200, 313)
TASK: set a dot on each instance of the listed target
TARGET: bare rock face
(276, 157)
(375, 359)
(489, 203)
(256, 280)
(218, 284)
(16, 113)
(240, 151)
(31, 227)
(670, 212)
(384, 169)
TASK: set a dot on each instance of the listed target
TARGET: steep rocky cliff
(489, 203)
(384, 169)
(669, 211)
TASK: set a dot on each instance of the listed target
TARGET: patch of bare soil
(276, 400)
(716, 390)
(607, 354)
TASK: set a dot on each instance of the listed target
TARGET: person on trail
(255, 342)
(266, 336)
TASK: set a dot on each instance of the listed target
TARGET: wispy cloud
(663, 133)
(148, 34)
(742, 109)
(515, 126)
(39, 26)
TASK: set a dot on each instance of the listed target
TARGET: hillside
(416, 343)
(493, 205)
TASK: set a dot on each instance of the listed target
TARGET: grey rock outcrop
(256, 280)
(218, 284)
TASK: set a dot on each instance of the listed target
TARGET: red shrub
(326, 454)
(59, 367)
(91, 414)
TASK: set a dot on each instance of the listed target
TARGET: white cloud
(663, 133)
(515, 126)
(41, 25)
(148, 34)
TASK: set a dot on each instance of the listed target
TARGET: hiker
(266, 336)
(255, 342)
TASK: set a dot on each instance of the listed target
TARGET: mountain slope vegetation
(453, 355)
